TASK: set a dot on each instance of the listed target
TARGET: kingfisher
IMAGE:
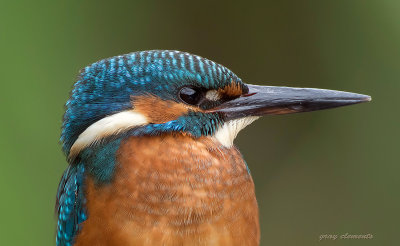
(149, 141)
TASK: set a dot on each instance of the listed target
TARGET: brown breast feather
(173, 190)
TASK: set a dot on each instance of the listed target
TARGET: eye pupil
(190, 95)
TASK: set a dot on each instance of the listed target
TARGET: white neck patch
(106, 127)
(228, 132)
(126, 120)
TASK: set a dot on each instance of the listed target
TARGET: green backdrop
(327, 172)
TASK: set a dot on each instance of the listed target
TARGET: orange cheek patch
(159, 111)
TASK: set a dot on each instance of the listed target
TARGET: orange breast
(173, 190)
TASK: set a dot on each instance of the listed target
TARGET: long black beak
(264, 100)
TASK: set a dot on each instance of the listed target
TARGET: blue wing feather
(70, 206)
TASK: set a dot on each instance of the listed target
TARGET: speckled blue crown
(106, 87)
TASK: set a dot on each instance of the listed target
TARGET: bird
(148, 137)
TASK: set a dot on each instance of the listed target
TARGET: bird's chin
(227, 133)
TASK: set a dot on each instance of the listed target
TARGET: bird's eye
(191, 95)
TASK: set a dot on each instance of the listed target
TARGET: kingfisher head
(161, 91)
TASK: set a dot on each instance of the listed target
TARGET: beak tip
(365, 98)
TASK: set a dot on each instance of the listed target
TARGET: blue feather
(99, 163)
(70, 205)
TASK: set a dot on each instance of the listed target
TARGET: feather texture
(70, 206)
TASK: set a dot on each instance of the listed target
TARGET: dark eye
(191, 95)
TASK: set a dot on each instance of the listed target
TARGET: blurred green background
(327, 172)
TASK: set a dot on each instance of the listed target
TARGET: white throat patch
(228, 132)
(106, 127)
